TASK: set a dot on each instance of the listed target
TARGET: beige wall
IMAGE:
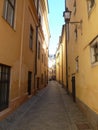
(61, 59)
(64, 56)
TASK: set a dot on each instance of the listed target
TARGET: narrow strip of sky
(56, 20)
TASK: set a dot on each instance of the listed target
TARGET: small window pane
(5, 9)
(9, 11)
(10, 15)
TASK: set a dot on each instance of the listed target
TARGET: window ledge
(94, 64)
(11, 27)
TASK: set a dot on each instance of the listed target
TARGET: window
(74, 6)
(42, 58)
(9, 11)
(38, 50)
(40, 20)
(94, 51)
(90, 4)
(76, 32)
(31, 38)
(41, 78)
(4, 86)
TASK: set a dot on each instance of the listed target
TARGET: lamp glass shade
(67, 15)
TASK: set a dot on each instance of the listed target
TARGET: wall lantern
(67, 17)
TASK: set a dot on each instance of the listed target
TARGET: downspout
(35, 73)
(66, 42)
(21, 51)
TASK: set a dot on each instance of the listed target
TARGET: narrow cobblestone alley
(50, 109)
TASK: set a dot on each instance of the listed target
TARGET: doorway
(38, 83)
(4, 86)
(29, 82)
(73, 89)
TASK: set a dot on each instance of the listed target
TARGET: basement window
(94, 51)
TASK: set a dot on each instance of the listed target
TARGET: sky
(56, 20)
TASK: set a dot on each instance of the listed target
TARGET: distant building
(52, 68)
(61, 59)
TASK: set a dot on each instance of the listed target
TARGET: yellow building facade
(19, 40)
(83, 56)
(61, 58)
(42, 46)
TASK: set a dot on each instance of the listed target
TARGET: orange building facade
(20, 34)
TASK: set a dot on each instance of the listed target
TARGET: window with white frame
(94, 51)
(9, 11)
(90, 4)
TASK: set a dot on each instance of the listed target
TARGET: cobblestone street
(49, 109)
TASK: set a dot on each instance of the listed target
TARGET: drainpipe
(21, 52)
(66, 42)
(35, 72)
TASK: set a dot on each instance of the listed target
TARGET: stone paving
(49, 109)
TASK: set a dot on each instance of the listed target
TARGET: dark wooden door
(37, 83)
(29, 82)
(4, 86)
(73, 89)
